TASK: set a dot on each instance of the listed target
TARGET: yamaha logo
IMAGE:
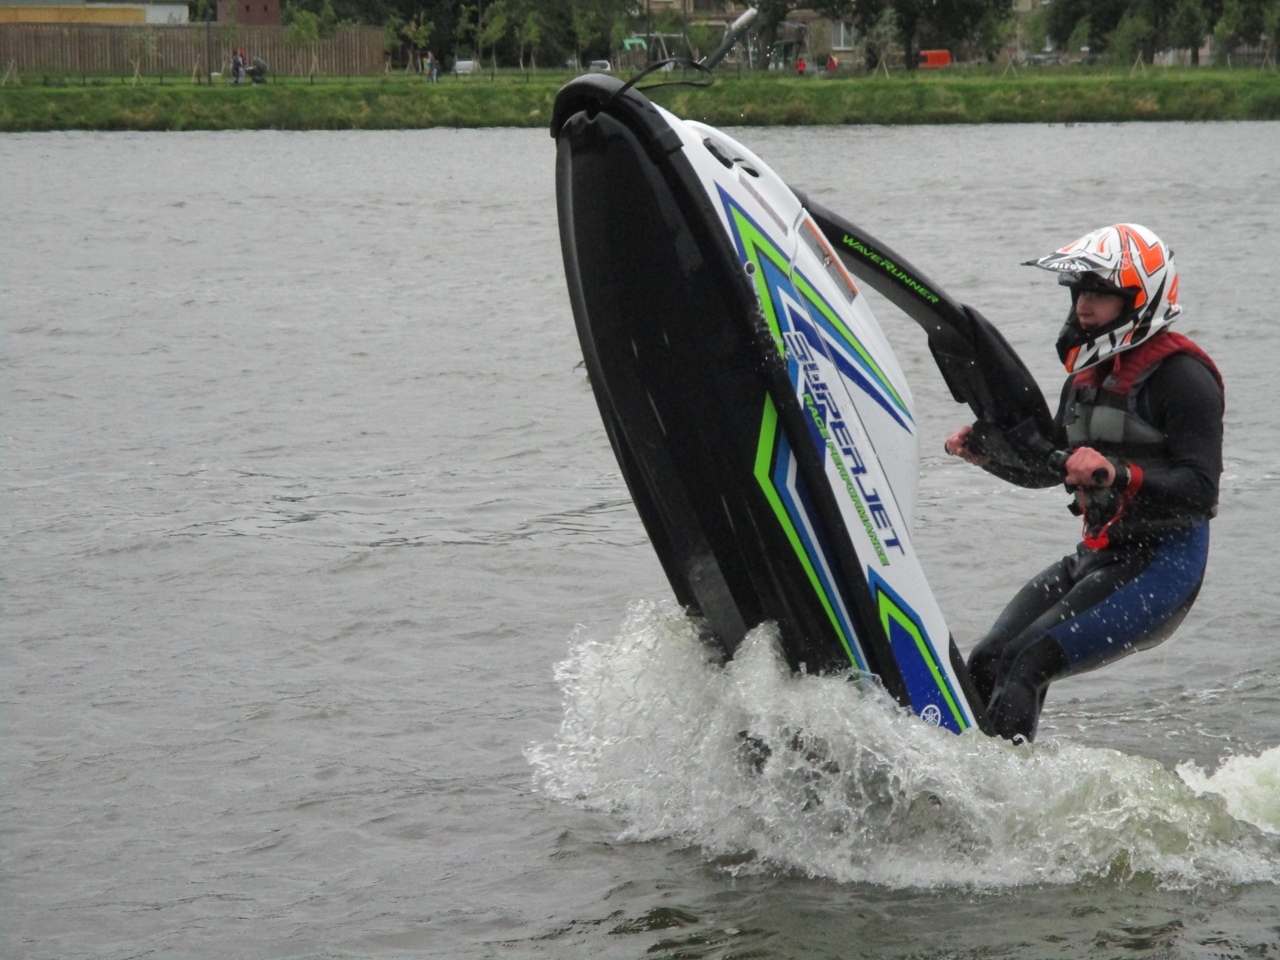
(931, 715)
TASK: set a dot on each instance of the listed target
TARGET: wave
(767, 770)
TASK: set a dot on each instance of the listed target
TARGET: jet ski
(763, 425)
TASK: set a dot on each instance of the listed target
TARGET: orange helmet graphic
(1124, 259)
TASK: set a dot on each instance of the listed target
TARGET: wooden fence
(182, 50)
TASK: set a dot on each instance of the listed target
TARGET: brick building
(250, 13)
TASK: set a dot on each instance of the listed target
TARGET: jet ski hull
(760, 420)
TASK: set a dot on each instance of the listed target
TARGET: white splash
(1249, 786)
(833, 779)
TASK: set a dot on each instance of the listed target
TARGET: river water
(329, 629)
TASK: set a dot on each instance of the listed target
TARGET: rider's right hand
(958, 446)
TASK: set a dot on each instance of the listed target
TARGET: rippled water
(329, 629)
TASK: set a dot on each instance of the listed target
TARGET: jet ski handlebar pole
(978, 364)
(887, 273)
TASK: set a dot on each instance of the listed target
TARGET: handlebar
(1026, 449)
(1058, 461)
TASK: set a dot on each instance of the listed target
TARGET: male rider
(1141, 417)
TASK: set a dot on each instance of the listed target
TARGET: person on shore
(800, 66)
(1141, 418)
(237, 66)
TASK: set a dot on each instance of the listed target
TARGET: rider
(1141, 417)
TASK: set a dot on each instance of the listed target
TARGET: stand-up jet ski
(760, 418)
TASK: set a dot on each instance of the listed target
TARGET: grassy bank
(397, 102)
(1029, 97)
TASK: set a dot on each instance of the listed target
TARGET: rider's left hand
(1083, 468)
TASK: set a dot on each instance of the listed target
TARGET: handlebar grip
(1058, 461)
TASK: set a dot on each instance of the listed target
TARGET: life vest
(1101, 412)
(1101, 409)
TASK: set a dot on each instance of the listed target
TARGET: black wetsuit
(1104, 602)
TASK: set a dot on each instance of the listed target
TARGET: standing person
(800, 67)
(1141, 417)
(237, 66)
(433, 67)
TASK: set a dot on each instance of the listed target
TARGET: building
(250, 13)
(79, 11)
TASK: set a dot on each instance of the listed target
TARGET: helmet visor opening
(1080, 282)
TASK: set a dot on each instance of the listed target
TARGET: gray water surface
(305, 499)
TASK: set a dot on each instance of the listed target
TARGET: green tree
(1035, 30)
(875, 44)
(701, 40)
(1158, 15)
(944, 23)
(1252, 26)
(1079, 38)
(302, 26)
(328, 19)
(771, 13)
(1130, 37)
(465, 32)
(1103, 15)
(391, 15)
(1226, 32)
(583, 19)
(995, 30)
(391, 35)
(530, 35)
(1188, 27)
(1242, 21)
(619, 32)
(493, 30)
(417, 33)
(1271, 27)
(909, 14)
(199, 11)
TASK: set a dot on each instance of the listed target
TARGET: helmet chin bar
(1073, 334)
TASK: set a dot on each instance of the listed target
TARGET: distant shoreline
(398, 102)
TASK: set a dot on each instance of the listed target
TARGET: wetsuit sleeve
(1183, 400)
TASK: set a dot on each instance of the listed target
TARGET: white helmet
(1124, 259)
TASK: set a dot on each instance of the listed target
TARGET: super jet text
(830, 423)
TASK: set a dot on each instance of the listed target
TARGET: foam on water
(835, 780)
(1250, 787)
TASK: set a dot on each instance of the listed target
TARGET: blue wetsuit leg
(1082, 612)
